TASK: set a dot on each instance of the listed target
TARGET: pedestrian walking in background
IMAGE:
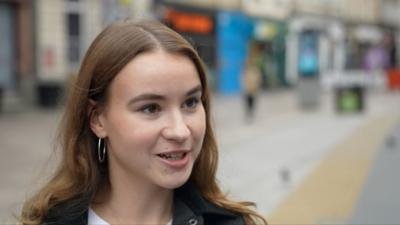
(251, 80)
(137, 142)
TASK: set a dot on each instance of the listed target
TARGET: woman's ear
(96, 119)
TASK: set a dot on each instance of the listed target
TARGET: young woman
(137, 141)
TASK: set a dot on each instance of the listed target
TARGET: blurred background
(320, 142)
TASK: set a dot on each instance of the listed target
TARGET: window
(73, 26)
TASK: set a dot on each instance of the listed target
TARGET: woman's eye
(192, 103)
(150, 109)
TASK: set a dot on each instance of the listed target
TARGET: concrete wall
(390, 11)
(356, 11)
(91, 23)
(51, 36)
(220, 4)
(51, 40)
(276, 9)
(318, 7)
(141, 9)
(360, 11)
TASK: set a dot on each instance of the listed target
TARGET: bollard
(285, 175)
(391, 142)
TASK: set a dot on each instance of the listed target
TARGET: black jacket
(190, 208)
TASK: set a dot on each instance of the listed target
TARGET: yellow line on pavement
(328, 194)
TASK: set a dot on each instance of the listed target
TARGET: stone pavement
(329, 193)
(26, 140)
(379, 201)
(264, 161)
(270, 160)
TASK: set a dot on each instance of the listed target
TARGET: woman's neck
(129, 202)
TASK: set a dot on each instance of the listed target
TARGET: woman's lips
(175, 159)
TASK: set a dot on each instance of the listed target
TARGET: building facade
(17, 67)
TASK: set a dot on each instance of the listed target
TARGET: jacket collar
(191, 197)
(72, 212)
(189, 207)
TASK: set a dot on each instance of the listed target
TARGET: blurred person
(251, 80)
(136, 139)
(389, 44)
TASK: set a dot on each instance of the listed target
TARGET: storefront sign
(190, 22)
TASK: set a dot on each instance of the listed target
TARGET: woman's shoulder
(70, 212)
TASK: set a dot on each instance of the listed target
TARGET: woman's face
(154, 120)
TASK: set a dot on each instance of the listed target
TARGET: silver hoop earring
(101, 151)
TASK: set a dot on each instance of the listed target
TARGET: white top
(94, 219)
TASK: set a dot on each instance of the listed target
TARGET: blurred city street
(322, 145)
(268, 160)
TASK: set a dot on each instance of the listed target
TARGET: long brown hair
(79, 174)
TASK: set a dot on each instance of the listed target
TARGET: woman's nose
(176, 128)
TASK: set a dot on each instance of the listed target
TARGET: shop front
(270, 36)
(198, 26)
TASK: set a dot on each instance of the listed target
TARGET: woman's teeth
(172, 156)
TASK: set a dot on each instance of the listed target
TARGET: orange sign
(190, 22)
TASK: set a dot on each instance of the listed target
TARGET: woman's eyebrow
(146, 96)
(150, 96)
(194, 90)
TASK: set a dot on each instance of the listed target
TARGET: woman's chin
(174, 182)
